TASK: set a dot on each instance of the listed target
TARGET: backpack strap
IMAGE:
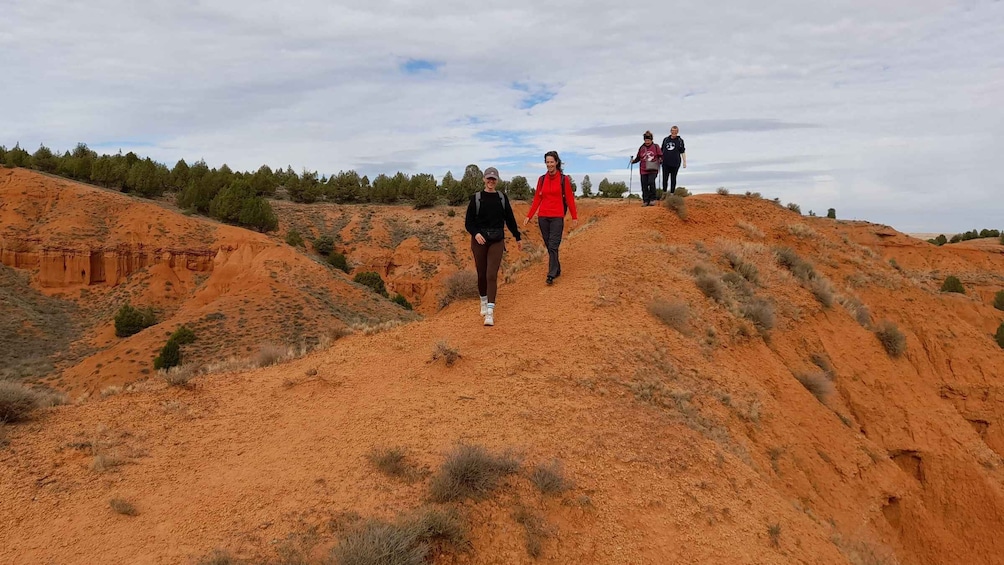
(561, 181)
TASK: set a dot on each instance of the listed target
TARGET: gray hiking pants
(551, 230)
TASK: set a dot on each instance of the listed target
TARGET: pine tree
(257, 214)
(587, 187)
(519, 188)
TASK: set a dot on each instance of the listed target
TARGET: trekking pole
(630, 176)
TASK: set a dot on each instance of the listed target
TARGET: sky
(886, 111)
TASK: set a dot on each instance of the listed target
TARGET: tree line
(241, 198)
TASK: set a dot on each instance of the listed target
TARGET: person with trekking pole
(553, 198)
(649, 157)
(673, 154)
(488, 213)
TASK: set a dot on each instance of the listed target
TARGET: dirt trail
(685, 447)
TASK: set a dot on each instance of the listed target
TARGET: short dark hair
(648, 135)
(556, 158)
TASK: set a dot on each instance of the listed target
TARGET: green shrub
(999, 336)
(324, 245)
(999, 300)
(294, 239)
(170, 356)
(952, 284)
(130, 321)
(451, 213)
(183, 335)
(761, 313)
(681, 191)
(721, 190)
(794, 208)
(17, 402)
(892, 339)
(373, 281)
(711, 286)
(402, 301)
(831, 213)
(338, 261)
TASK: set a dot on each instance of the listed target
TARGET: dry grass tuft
(822, 289)
(761, 313)
(409, 541)
(179, 376)
(774, 530)
(470, 471)
(750, 229)
(271, 354)
(711, 286)
(394, 462)
(677, 204)
(892, 339)
(550, 478)
(219, 557)
(103, 462)
(123, 507)
(459, 286)
(819, 384)
(448, 354)
(534, 528)
(857, 310)
(721, 190)
(802, 230)
(17, 402)
(674, 314)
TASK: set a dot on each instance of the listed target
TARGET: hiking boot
(490, 317)
(550, 280)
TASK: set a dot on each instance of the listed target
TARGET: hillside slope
(694, 443)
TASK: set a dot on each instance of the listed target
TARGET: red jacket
(548, 198)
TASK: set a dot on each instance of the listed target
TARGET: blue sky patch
(418, 66)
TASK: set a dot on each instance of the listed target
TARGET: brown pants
(487, 260)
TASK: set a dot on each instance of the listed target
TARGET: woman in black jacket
(487, 215)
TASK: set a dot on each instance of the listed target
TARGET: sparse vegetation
(338, 261)
(179, 376)
(999, 336)
(681, 191)
(794, 208)
(324, 245)
(534, 530)
(409, 541)
(448, 354)
(774, 531)
(822, 290)
(711, 286)
(402, 302)
(393, 462)
(459, 286)
(721, 190)
(953, 284)
(103, 462)
(831, 213)
(294, 239)
(373, 280)
(802, 230)
(750, 229)
(761, 313)
(817, 383)
(891, 338)
(550, 478)
(130, 321)
(999, 300)
(674, 314)
(677, 204)
(17, 402)
(123, 507)
(270, 354)
(471, 471)
(789, 259)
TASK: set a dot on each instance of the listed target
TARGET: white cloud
(889, 111)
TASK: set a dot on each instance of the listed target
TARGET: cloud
(875, 106)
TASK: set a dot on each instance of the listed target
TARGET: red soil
(690, 445)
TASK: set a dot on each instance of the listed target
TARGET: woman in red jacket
(553, 198)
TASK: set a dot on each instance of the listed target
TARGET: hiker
(673, 152)
(554, 198)
(487, 215)
(650, 156)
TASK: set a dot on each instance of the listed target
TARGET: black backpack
(477, 202)
(564, 199)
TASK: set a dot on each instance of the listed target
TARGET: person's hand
(480, 239)
(684, 165)
(575, 223)
(526, 221)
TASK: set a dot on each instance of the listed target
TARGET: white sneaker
(484, 307)
(490, 317)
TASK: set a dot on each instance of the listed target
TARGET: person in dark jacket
(488, 213)
(650, 156)
(673, 154)
(553, 198)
